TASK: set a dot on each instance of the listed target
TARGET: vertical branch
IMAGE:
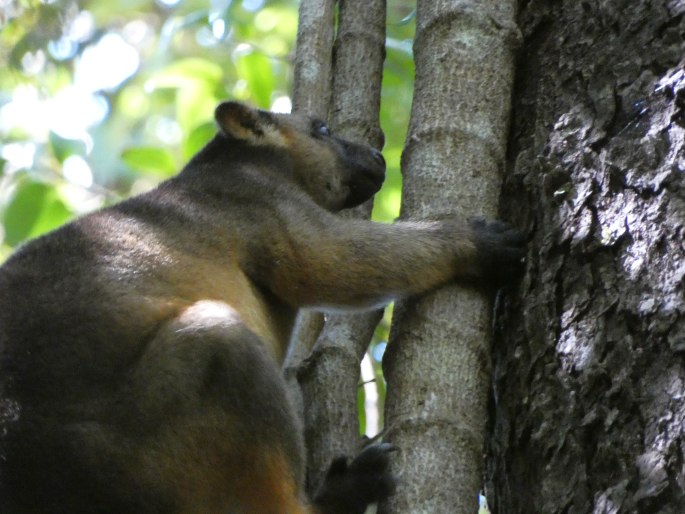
(359, 52)
(312, 95)
(315, 32)
(329, 380)
(437, 363)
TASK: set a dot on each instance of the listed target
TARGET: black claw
(501, 251)
(350, 488)
(337, 467)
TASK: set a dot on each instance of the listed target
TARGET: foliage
(102, 100)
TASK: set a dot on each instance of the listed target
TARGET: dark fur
(141, 344)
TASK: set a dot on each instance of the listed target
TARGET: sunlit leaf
(197, 82)
(194, 106)
(150, 161)
(386, 205)
(63, 148)
(35, 209)
(181, 72)
(255, 68)
(47, 19)
(198, 138)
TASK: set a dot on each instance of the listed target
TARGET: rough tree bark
(590, 371)
(329, 376)
(437, 362)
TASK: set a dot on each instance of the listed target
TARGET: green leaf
(255, 68)
(63, 148)
(149, 160)
(195, 82)
(198, 138)
(194, 106)
(180, 73)
(35, 209)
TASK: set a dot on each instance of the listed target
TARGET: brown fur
(141, 344)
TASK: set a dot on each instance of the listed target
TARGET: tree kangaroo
(141, 344)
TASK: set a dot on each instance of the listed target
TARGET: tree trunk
(311, 95)
(313, 64)
(588, 366)
(437, 362)
(329, 377)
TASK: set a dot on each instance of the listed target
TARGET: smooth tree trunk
(312, 91)
(589, 363)
(329, 376)
(313, 64)
(437, 362)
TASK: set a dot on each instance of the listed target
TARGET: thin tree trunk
(437, 362)
(312, 87)
(329, 380)
(329, 377)
(312, 93)
(313, 63)
(589, 373)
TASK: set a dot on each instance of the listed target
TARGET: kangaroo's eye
(320, 129)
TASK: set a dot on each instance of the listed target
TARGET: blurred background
(101, 100)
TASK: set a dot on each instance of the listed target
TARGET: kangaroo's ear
(239, 121)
